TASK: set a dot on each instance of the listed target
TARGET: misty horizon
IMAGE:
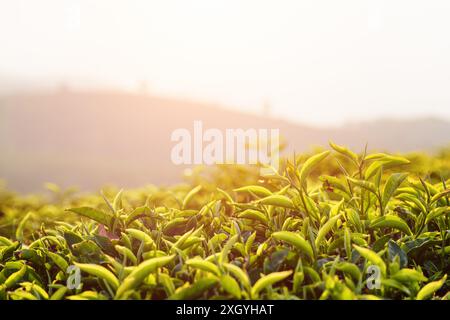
(264, 110)
(94, 138)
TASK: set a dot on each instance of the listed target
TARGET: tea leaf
(391, 221)
(309, 165)
(140, 273)
(296, 240)
(231, 286)
(277, 200)
(257, 190)
(372, 257)
(430, 288)
(94, 214)
(269, 280)
(100, 272)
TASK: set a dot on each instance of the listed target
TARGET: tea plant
(354, 229)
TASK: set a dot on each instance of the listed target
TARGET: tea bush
(326, 226)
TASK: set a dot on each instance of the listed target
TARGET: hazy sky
(321, 62)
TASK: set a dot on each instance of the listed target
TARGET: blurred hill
(93, 138)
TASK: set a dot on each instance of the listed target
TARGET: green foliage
(313, 230)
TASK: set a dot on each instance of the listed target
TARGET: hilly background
(90, 139)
